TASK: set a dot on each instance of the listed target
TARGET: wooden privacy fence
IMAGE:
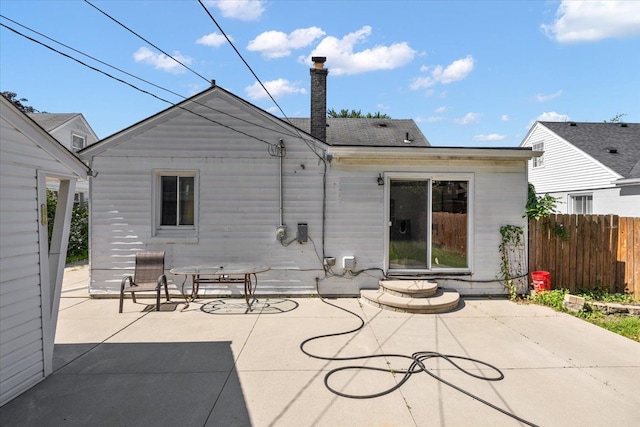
(587, 251)
(448, 233)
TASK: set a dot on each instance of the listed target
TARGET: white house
(593, 168)
(216, 179)
(73, 131)
(31, 270)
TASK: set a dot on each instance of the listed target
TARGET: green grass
(414, 254)
(627, 326)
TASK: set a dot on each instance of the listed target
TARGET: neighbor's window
(582, 204)
(77, 142)
(538, 161)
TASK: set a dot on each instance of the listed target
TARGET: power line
(308, 143)
(284, 131)
(132, 85)
(145, 40)
(243, 60)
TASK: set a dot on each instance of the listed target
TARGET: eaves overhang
(350, 154)
(626, 182)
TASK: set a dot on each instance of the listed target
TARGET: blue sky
(470, 73)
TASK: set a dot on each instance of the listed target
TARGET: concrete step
(442, 302)
(409, 288)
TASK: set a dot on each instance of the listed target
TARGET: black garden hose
(416, 366)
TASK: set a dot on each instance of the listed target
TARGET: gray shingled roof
(369, 132)
(50, 121)
(600, 140)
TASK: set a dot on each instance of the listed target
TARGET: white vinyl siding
(569, 171)
(566, 168)
(25, 320)
(238, 203)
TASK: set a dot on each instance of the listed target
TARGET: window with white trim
(581, 203)
(538, 162)
(176, 203)
(77, 141)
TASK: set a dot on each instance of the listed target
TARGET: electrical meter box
(349, 262)
(302, 232)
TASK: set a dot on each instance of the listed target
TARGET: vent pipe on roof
(319, 98)
(623, 125)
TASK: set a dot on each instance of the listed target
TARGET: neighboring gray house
(593, 168)
(31, 270)
(73, 131)
(211, 180)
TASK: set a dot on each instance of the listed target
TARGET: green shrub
(552, 298)
(78, 248)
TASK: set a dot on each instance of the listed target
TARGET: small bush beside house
(78, 248)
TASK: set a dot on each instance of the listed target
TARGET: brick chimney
(319, 98)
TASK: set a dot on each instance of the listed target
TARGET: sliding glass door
(428, 224)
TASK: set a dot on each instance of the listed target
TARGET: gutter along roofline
(431, 153)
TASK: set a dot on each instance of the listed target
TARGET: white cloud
(214, 40)
(550, 116)
(383, 107)
(161, 61)
(430, 119)
(276, 44)
(277, 88)
(469, 119)
(544, 98)
(457, 70)
(441, 109)
(588, 21)
(504, 118)
(490, 137)
(244, 10)
(343, 60)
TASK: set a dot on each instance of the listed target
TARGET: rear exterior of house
(593, 168)
(212, 180)
(31, 269)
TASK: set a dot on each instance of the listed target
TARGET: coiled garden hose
(417, 365)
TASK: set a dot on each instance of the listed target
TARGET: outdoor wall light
(380, 179)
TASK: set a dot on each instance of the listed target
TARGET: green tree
(18, 102)
(540, 206)
(355, 114)
(616, 119)
(78, 248)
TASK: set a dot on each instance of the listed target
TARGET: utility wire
(309, 144)
(240, 56)
(312, 148)
(284, 130)
(145, 40)
(132, 85)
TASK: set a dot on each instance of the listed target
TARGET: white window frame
(572, 202)
(173, 233)
(389, 176)
(538, 162)
(73, 138)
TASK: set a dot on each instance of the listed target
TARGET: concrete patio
(214, 365)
